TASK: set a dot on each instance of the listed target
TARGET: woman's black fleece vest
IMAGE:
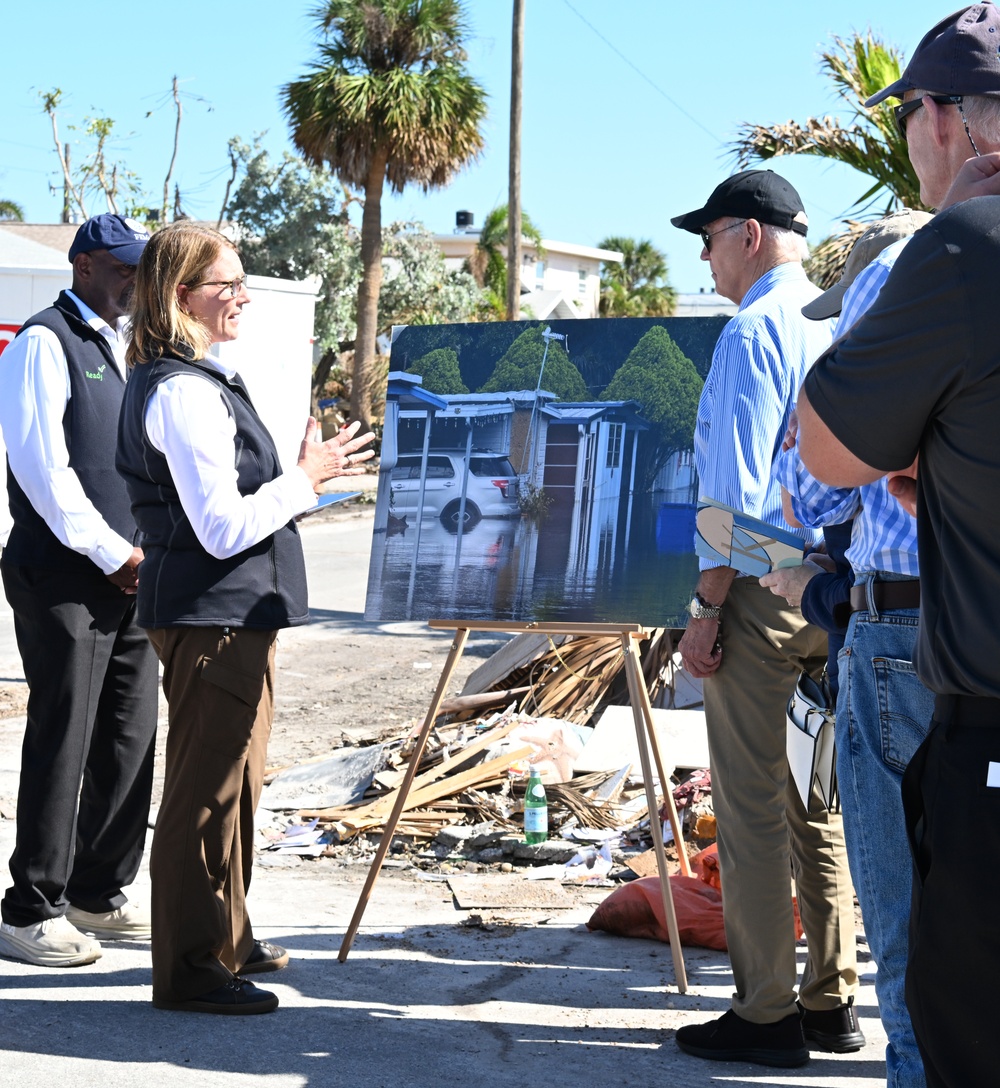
(180, 584)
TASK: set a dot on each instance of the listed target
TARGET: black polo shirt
(920, 373)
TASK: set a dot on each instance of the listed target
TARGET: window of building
(582, 287)
(616, 432)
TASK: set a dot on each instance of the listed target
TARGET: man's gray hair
(983, 114)
(790, 243)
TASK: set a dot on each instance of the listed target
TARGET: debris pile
(465, 802)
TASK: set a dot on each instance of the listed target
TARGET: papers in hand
(738, 540)
(812, 752)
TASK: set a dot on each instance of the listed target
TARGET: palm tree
(488, 261)
(869, 142)
(388, 100)
(11, 211)
(637, 287)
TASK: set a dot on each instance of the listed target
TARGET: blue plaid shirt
(757, 367)
(885, 536)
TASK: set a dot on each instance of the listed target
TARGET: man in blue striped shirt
(753, 231)
(883, 711)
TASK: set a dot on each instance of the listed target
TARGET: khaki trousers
(219, 684)
(764, 831)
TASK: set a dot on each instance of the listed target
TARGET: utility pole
(514, 183)
(66, 192)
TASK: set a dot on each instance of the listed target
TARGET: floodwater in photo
(600, 569)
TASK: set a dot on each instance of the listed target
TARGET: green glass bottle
(536, 810)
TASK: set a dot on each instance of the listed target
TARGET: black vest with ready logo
(89, 425)
(180, 584)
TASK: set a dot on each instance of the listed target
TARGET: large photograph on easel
(540, 471)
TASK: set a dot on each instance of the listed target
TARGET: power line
(659, 90)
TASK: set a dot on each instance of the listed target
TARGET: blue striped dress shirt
(757, 367)
(885, 536)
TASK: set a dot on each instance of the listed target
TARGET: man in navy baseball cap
(70, 572)
(124, 239)
(958, 56)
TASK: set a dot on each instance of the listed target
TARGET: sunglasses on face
(902, 111)
(706, 238)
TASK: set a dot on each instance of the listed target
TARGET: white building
(564, 283)
(704, 304)
(273, 353)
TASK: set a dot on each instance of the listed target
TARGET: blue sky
(628, 105)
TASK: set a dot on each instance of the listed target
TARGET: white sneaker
(56, 942)
(128, 923)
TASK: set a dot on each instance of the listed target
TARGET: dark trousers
(219, 684)
(87, 756)
(953, 820)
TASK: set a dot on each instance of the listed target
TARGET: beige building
(564, 283)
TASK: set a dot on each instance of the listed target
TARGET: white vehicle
(491, 491)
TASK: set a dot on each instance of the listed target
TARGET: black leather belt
(887, 596)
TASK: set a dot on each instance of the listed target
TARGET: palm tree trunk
(368, 292)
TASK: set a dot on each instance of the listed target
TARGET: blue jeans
(883, 714)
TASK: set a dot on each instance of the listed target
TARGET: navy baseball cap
(124, 239)
(752, 194)
(961, 55)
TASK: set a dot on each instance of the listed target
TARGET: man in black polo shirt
(929, 348)
(70, 573)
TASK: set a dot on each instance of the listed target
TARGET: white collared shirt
(188, 421)
(34, 393)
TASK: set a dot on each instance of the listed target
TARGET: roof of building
(17, 250)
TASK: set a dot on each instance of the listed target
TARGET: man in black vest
(70, 574)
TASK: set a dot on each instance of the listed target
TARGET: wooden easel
(630, 636)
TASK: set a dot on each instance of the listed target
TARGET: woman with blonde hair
(223, 573)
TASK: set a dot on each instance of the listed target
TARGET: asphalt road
(426, 998)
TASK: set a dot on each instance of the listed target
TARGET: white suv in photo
(491, 491)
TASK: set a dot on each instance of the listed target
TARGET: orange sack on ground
(636, 910)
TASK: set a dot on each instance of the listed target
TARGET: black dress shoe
(835, 1030)
(733, 1039)
(237, 997)
(264, 957)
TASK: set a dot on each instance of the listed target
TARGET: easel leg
(457, 647)
(668, 797)
(643, 716)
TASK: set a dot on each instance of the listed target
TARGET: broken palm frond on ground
(473, 770)
(567, 676)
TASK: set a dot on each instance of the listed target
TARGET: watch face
(700, 611)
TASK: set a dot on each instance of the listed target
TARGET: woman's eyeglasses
(235, 286)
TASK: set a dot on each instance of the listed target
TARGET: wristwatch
(700, 609)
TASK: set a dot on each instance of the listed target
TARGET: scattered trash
(339, 779)
(539, 701)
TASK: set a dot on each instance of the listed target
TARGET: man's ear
(83, 265)
(941, 120)
(753, 236)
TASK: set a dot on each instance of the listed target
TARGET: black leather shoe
(264, 957)
(835, 1030)
(733, 1039)
(237, 997)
